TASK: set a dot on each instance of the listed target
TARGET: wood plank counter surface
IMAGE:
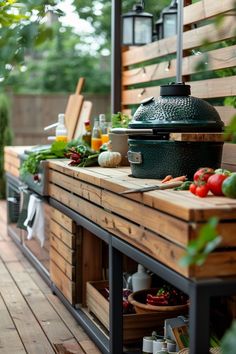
(159, 223)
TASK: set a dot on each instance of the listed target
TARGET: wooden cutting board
(85, 115)
(73, 109)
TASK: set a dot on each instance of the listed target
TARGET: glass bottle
(141, 279)
(96, 140)
(105, 133)
(102, 122)
(86, 137)
(61, 131)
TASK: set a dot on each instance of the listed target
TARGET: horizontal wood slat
(65, 236)
(65, 267)
(226, 113)
(191, 39)
(82, 189)
(215, 60)
(11, 169)
(64, 284)
(62, 249)
(212, 88)
(63, 220)
(203, 10)
(11, 159)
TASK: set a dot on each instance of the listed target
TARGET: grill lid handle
(128, 131)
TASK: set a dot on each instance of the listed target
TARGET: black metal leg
(199, 319)
(115, 300)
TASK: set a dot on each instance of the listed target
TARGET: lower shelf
(135, 326)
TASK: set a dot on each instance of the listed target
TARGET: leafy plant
(59, 149)
(228, 342)
(31, 164)
(120, 120)
(198, 249)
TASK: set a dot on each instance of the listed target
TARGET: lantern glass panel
(142, 30)
(127, 30)
(169, 25)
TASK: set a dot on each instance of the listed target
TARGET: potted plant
(120, 141)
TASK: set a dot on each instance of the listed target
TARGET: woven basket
(212, 351)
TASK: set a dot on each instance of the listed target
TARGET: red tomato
(214, 183)
(202, 190)
(203, 174)
(192, 188)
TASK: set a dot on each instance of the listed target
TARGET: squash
(109, 158)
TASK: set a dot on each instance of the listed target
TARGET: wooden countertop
(160, 223)
(181, 204)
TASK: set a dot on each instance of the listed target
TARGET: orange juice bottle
(96, 141)
(61, 131)
(105, 132)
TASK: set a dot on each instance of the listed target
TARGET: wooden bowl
(138, 300)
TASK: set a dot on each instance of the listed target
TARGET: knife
(152, 188)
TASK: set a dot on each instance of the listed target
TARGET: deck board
(33, 320)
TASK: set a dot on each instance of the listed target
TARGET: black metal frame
(116, 56)
(199, 291)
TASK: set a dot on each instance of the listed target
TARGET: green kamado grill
(152, 155)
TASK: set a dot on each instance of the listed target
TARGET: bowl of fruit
(163, 299)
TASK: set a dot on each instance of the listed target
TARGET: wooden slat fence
(209, 62)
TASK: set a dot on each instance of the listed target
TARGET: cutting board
(85, 114)
(73, 109)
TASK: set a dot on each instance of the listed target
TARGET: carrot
(180, 178)
(167, 178)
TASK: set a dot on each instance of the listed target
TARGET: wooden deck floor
(32, 319)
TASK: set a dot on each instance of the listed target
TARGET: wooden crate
(64, 255)
(75, 257)
(135, 326)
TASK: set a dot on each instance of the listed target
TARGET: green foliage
(198, 249)
(228, 342)
(120, 120)
(58, 149)
(230, 130)
(19, 30)
(56, 67)
(31, 63)
(31, 164)
(5, 137)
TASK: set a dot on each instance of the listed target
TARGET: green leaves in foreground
(228, 342)
(230, 130)
(198, 249)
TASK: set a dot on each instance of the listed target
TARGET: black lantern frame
(137, 26)
(169, 16)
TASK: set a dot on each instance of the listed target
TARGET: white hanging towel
(35, 219)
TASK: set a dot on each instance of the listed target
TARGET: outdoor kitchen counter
(158, 223)
(12, 159)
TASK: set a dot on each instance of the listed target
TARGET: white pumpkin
(109, 158)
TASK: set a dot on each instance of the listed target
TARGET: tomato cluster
(206, 179)
(167, 296)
